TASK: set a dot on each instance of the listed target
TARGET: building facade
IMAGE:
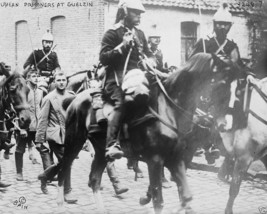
(78, 27)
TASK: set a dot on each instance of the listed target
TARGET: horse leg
(226, 169)
(240, 168)
(178, 173)
(155, 165)
(97, 168)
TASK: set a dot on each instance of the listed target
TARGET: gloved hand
(128, 39)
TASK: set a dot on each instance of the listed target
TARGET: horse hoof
(144, 200)
(223, 178)
(139, 175)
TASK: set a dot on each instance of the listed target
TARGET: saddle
(136, 88)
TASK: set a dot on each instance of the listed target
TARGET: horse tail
(67, 101)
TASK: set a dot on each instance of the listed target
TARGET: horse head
(14, 91)
(224, 87)
(204, 80)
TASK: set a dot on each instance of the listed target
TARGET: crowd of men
(122, 48)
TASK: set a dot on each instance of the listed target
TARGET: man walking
(27, 137)
(51, 128)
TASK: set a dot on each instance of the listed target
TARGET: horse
(14, 92)
(160, 139)
(78, 81)
(14, 108)
(248, 142)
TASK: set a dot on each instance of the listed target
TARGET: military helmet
(48, 37)
(223, 15)
(132, 4)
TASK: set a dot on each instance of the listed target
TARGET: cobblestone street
(210, 194)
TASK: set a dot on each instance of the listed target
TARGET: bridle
(206, 117)
(8, 113)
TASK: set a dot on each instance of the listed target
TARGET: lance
(200, 15)
(32, 46)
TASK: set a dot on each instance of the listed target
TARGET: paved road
(210, 194)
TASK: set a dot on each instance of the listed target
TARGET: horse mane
(67, 101)
(198, 65)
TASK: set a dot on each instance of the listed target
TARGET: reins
(187, 114)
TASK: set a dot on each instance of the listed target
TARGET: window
(22, 43)
(59, 32)
(189, 35)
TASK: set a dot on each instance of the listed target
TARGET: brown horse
(14, 92)
(161, 139)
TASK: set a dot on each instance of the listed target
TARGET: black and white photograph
(133, 106)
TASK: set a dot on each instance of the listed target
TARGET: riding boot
(113, 149)
(3, 184)
(19, 165)
(118, 188)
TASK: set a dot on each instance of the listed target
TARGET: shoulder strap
(46, 55)
(220, 46)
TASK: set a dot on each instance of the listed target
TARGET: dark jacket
(49, 63)
(212, 47)
(116, 60)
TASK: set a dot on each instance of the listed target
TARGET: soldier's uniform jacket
(114, 58)
(51, 124)
(157, 54)
(48, 64)
(212, 47)
(34, 99)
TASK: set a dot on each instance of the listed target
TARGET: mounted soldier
(45, 61)
(220, 45)
(121, 50)
(217, 44)
(154, 40)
